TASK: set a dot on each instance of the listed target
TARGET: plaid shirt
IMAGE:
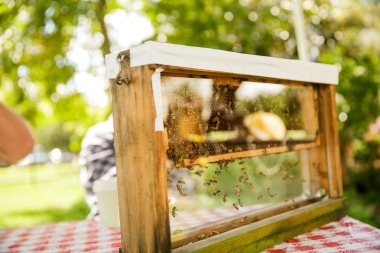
(97, 158)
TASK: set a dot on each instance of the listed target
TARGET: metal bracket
(124, 76)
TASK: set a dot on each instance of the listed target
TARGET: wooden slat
(197, 73)
(141, 171)
(140, 163)
(195, 234)
(250, 153)
(316, 156)
(330, 141)
(271, 231)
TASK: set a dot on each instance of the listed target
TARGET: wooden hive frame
(140, 145)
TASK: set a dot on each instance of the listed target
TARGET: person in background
(97, 160)
(16, 139)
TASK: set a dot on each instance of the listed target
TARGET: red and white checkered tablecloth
(64, 237)
(346, 235)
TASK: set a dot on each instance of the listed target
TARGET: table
(346, 235)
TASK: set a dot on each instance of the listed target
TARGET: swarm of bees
(184, 153)
(244, 184)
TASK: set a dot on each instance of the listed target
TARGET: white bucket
(106, 192)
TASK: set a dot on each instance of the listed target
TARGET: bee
(270, 193)
(189, 167)
(183, 193)
(180, 189)
(223, 164)
(229, 104)
(213, 232)
(262, 174)
(238, 149)
(216, 120)
(242, 162)
(236, 207)
(213, 180)
(181, 181)
(174, 213)
(286, 176)
(210, 181)
(218, 172)
(216, 192)
(250, 185)
(240, 203)
(225, 196)
(244, 220)
(237, 190)
(292, 164)
(202, 236)
(199, 172)
(169, 180)
(259, 196)
(224, 148)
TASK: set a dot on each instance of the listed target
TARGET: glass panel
(206, 117)
(205, 195)
(210, 121)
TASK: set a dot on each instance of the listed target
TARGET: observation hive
(223, 151)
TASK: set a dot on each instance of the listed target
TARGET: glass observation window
(235, 148)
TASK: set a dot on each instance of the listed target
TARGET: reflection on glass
(205, 117)
(231, 191)
(214, 128)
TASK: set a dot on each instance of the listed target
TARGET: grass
(40, 194)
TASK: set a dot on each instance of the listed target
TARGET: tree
(35, 69)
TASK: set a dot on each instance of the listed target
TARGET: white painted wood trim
(224, 61)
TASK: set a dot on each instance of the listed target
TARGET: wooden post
(330, 141)
(140, 163)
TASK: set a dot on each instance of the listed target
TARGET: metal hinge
(124, 76)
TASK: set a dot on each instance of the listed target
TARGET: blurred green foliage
(35, 37)
(35, 70)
